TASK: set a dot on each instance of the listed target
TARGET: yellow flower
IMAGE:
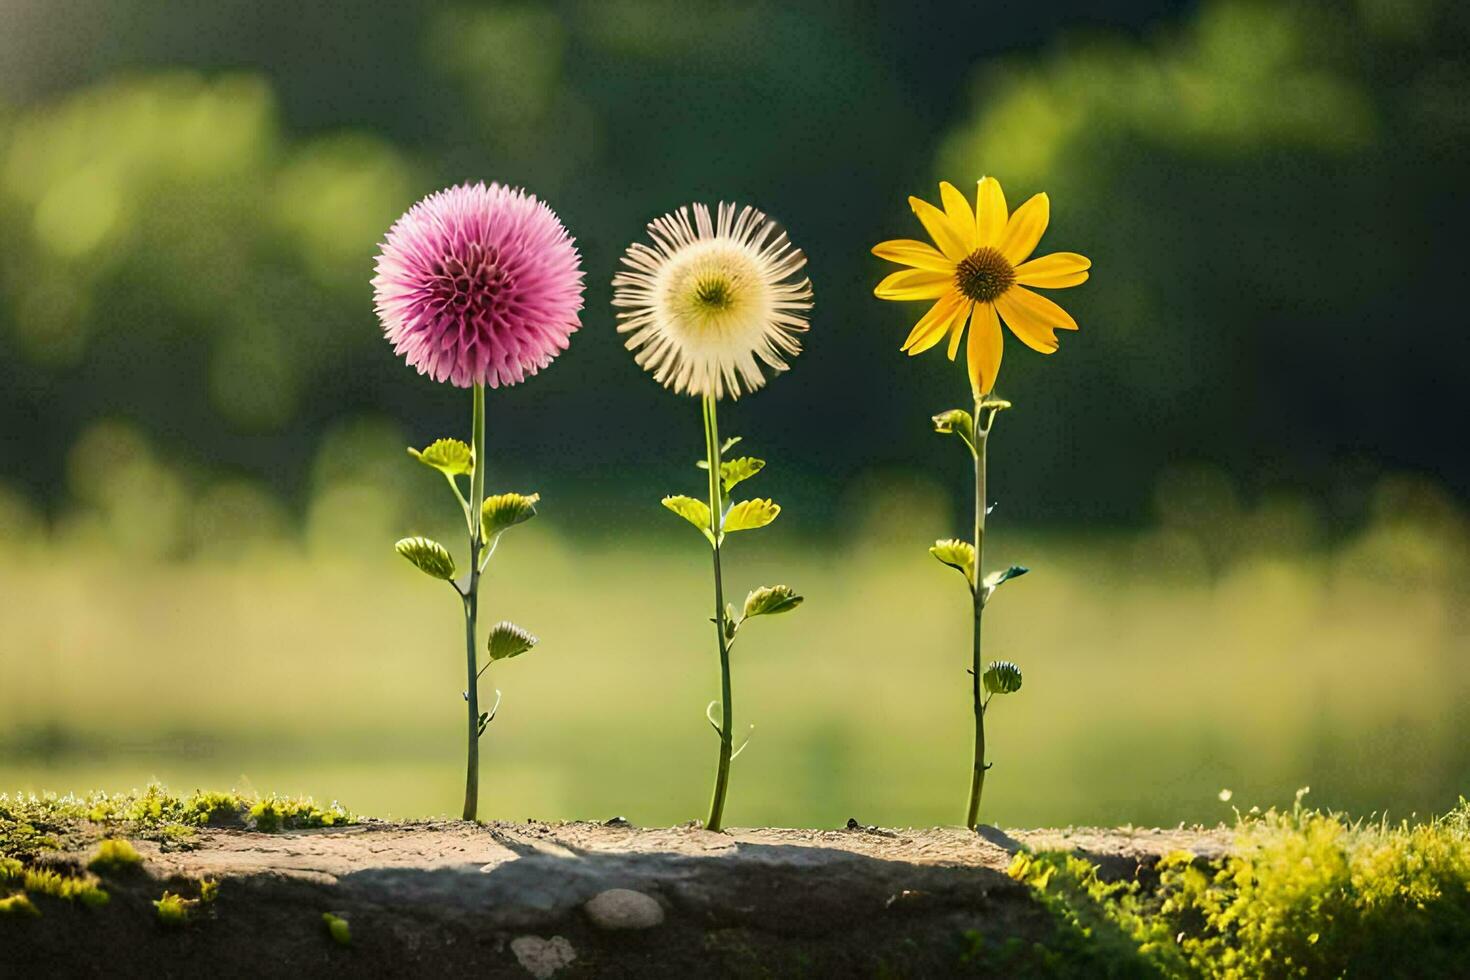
(980, 271)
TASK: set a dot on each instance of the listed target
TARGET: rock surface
(623, 908)
(570, 900)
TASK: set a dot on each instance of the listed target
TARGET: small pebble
(623, 908)
(542, 957)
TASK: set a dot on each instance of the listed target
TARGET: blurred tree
(1269, 192)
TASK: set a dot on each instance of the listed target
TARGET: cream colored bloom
(979, 272)
(712, 300)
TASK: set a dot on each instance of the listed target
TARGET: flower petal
(1055, 271)
(914, 284)
(920, 255)
(930, 330)
(961, 217)
(990, 211)
(1033, 318)
(1025, 229)
(956, 331)
(938, 225)
(984, 350)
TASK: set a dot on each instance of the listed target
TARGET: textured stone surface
(623, 908)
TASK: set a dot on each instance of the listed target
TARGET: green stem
(727, 722)
(471, 608)
(977, 774)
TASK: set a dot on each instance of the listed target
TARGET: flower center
(472, 281)
(713, 293)
(984, 274)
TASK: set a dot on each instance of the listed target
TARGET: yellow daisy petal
(956, 317)
(914, 284)
(990, 211)
(930, 330)
(1055, 271)
(1034, 318)
(957, 331)
(920, 255)
(961, 217)
(937, 224)
(984, 350)
(1025, 229)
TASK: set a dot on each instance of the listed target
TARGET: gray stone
(542, 957)
(623, 908)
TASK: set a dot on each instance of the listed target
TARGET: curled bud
(1003, 677)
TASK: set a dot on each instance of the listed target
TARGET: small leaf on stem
(696, 512)
(736, 471)
(995, 580)
(449, 456)
(429, 557)
(957, 554)
(508, 640)
(1002, 677)
(770, 600)
(958, 422)
(504, 511)
(751, 514)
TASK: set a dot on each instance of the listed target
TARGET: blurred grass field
(1215, 651)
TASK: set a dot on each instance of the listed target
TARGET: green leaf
(769, 600)
(725, 447)
(430, 557)
(995, 580)
(508, 640)
(449, 456)
(736, 471)
(956, 421)
(696, 512)
(504, 511)
(1003, 677)
(750, 514)
(956, 554)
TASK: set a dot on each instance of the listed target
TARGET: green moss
(52, 883)
(17, 905)
(115, 856)
(173, 910)
(208, 890)
(32, 824)
(1304, 893)
(337, 928)
(275, 813)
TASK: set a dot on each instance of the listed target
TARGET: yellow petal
(984, 350)
(1055, 271)
(937, 224)
(956, 331)
(914, 284)
(1033, 318)
(1025, 229)
(956, 318)
(961, 217)
(930, 330)
(907, 251)
(990, 211)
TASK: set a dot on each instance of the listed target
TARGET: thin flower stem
(977, 774)
(727, 718)
(471, 607)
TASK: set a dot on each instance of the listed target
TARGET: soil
(511, 900)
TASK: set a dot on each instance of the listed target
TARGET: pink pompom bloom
(478, 285)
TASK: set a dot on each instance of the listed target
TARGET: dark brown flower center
(984, 274)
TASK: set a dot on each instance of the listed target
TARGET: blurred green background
(1241, 485)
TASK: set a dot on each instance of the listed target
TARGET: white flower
(708, 302)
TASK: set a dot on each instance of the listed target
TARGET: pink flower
(478, 285)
